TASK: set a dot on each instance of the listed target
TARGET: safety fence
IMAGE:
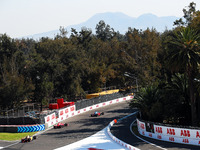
(89, 102)
(19, 121)
(29, 109)
(79, 107)
(56, 116)
(71, 111)
(28, 114)
(173, 134)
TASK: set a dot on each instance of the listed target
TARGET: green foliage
(189, 14)
(67, 66)
(184, 56)
(176, 99)
(148, 100)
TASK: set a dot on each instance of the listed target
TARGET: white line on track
(9, 145)
(144, 139)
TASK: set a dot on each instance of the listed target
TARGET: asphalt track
(122, 131)
(83, 126)
(80, 127)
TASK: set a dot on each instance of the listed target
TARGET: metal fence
(89, 102)
(30, 109)
(30, 114)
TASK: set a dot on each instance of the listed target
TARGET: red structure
(60, 104)
(53, 106)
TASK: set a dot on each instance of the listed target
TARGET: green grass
(14, 136)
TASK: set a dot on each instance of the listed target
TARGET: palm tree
(148, 100)
(176, 99)
(184, 56)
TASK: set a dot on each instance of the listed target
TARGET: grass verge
(14, 136)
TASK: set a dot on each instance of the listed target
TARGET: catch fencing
(31, 115)
(25, 115)
(104, 98)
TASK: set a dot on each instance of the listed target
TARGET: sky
(27, 17)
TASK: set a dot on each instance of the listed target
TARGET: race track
(83, 126)
(122, 131)
(80, 127)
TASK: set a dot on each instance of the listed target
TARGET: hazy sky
(26, 17)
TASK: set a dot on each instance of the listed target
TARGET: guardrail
(71, 111)
(169, 134)
(62, 115)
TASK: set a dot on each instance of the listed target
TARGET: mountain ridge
(119, 22)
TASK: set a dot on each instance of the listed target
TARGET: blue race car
(96, 114)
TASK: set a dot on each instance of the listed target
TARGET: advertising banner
(66, 112)
(170, 134)
(50, 119)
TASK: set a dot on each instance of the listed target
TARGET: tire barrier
(127, 146)
(169, 134)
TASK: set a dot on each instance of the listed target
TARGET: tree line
(175, 98)
(69, 65)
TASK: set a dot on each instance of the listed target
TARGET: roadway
(122, 131)
(80, 127)
(83, 126)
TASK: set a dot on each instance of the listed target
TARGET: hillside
(119, 22)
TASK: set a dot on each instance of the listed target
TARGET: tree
(195, 23)
(188, 15)
(103, 31)
(148, 100)
(176, 99)
(14, 86)
(184, 56)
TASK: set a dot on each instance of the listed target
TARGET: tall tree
(189, 14)
(184, 56)
(103, 31)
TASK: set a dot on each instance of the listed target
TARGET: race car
(28, 139)
(60, 125)
(96, 114)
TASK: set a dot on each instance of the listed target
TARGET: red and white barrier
(66, 113)
(71, 111)
(103, 104)
(63, 114)
(50, 120)
(170, 134)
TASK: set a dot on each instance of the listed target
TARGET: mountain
(119, 22)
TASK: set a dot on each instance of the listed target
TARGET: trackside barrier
(118, 100)
(31, 128)
(128, 146)
(63, 114)
(22, 128)
(170, 134)
(71, 111)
